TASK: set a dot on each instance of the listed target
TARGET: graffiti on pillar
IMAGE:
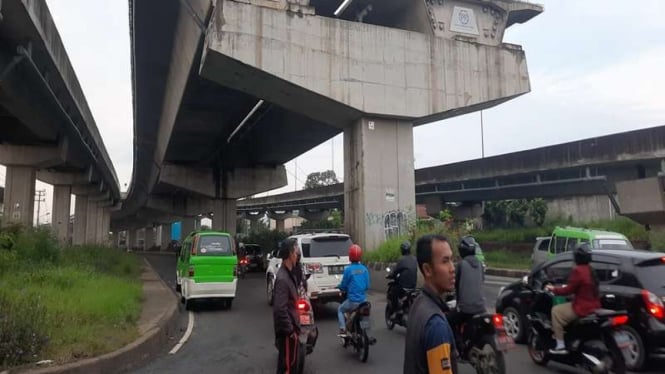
(394, 222)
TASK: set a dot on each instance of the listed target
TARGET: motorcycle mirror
(388, 270)
(525, 280)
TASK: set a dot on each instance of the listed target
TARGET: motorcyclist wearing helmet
(583, 284)
(355, 283)
(405, 275)
(469, 279)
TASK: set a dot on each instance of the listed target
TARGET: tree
(319, 179)
(538, 211)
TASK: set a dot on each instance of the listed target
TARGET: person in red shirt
(583, 284)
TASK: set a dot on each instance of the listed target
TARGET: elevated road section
(226, 92)
(48, 132)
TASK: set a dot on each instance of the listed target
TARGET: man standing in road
(430, 343)
(285, 315)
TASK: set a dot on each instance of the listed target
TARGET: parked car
(631, 280)
(324, 256)
(565, 239)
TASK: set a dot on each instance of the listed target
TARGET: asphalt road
(240, 340)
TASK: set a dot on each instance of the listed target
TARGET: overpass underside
(270, 79)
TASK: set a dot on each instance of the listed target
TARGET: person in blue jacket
(355, 283)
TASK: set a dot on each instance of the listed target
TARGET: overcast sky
(596, 67)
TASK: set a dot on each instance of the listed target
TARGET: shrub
(22, 329)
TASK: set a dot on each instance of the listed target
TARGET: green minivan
(207, 268)
(566, 238)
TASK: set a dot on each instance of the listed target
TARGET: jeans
(345, 307)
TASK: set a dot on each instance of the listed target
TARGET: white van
(324, 256)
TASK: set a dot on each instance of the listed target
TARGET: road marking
(493, 283)
(183, 340)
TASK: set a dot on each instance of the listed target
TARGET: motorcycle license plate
(305, 319)
(622, 339)
(365, 324)
(504, 342)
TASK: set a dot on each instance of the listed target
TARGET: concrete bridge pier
(132, 239)
(224, 215)
(379, 186)
(188, 224)
(164, 236)
(19, 201)
(148, 238)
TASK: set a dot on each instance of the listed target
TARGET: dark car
(629, 280)
(256, 258)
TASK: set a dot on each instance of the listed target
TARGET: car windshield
(612, 244)
(653, 278)
(214, 245)
(328, 246)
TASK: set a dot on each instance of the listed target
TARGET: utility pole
(40, 198)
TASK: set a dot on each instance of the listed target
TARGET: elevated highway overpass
(227, 91)
(588, 167)
(47, 129)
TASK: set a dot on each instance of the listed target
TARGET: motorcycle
(594, 343)
(482, 341)
(309, 332)
(242, 267)
(358, 326)
(402, 313)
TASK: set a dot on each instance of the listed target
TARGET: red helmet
(355, 253)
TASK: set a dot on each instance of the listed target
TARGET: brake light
(314, 267)
(497, 320)
(619, 320)
(653, 304)
(302, 306)
(244, 260)
(190, 271)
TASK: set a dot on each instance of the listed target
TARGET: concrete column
(62, 202)
(115, 239)
(148, 238)
(132, 239)
(165, 236)
(100, 235)
(434, 205)
(19, 200)
(224, 215)
(80, 219)
(280, 224)
(106, 226)
(91, 226)
(379, 187)
(187, 226)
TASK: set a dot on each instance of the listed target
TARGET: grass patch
(506, 259)
(69, 304)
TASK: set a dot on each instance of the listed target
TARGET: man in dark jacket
(405, 275)
(285, 315)
(430, 344)
(469, 279)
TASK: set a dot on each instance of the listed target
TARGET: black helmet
(582, 254)
(405, 247)
(467, 246)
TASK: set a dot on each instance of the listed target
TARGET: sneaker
(342, 333)
(559, 351)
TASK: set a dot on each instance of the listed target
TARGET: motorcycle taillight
(364, 311)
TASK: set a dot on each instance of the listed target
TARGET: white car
(324, 256)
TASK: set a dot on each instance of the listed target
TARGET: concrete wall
(581, 208)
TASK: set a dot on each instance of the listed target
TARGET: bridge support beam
(80, 219)
(164, 236)
(379, 186)
(224, 215)
(62, 202)
(188, 224)
(132, 239)
(434, 205)
(148, 238)
(19, 198)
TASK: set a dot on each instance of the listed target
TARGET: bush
(37, 246)
(22, 329)
(266, 239)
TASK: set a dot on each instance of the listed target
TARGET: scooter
(242, 267)
(482, 341)
(593, 343)
(401, 316)
(309, 332)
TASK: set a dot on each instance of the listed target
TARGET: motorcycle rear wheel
(493, 361)
(363, 346)
(390, 324)
(538, 355)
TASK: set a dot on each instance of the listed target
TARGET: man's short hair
(287, 246)
(424, 249)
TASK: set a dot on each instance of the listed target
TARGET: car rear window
(652, 276)
(612, 244)
(253, 249)
(329, 246)
(212, 245)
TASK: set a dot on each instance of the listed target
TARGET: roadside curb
(510, 273)
(159, 331)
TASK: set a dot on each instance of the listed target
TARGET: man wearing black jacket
(285, 315)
